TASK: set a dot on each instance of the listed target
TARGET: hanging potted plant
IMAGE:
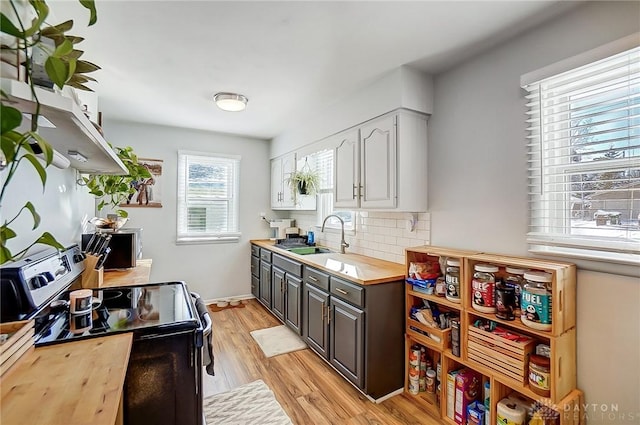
(305, 181)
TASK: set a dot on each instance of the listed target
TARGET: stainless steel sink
(306, 250)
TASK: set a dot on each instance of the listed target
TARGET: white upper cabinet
(382, 164)
(346, 168)
(281, 168)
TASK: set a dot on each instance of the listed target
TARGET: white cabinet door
(288, 167)
(346, 169)
(281, 168)
(378, 163)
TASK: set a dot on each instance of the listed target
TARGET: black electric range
(146, 310)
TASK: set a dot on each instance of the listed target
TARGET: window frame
(232, 234)
(551, 230)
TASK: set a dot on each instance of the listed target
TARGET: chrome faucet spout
(343, 243)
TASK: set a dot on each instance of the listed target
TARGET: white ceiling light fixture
(231, 102)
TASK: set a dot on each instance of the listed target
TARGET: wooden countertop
(354, 267)
(136, 276)
(75, 383)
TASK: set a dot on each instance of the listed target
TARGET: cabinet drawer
(287, 265)
(347, 291)
(316, 277)
(255, 250)
(265, 255)
(255, 266)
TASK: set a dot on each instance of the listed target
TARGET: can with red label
(483, 287)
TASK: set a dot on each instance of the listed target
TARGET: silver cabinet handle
(360, 190)
(322, 312)
(354, 191)
(342, 291)
(328, 314)
(313, 278)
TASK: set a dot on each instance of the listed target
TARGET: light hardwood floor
(308, 389)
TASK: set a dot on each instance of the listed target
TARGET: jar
(505, 301)
(483, 286)
(431, 381)
(515, 278)
(452, 279)
(536, 301)
(441, 287)
(540, 375)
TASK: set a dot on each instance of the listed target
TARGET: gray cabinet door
(255, 286)
(347, 341)
(265, 284)
(277, 295)
(292, 310)
(316, 326)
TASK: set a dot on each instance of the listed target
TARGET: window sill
(208, 240)
(604, 262)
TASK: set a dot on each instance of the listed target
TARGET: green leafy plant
(305, 182)
(115, 190)
(20, 147)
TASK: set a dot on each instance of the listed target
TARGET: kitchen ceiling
(162, 61)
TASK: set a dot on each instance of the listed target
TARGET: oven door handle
(203, 314)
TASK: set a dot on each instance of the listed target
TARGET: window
(207, 197)
(584, 160)
(324, 167)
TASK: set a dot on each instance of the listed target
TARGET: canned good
(455, 336)
(414, 385)
(414, 355)
(505, 301)
(431, 381)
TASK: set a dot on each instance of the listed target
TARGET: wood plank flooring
(308, 389)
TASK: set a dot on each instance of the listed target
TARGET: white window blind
(207, 197)
(324, 167)
(584, 161)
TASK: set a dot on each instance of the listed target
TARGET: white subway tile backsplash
(382, 235)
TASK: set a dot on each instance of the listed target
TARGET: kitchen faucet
(343, 243)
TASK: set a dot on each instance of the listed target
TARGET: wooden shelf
(434, 298)
(72, 132)
(560, 339)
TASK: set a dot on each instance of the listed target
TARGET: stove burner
(111, 295)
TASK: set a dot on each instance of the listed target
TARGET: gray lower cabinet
(255, 271)
(265, 284)
(293, 300)
(315, 324)
(278, 294)
(347, 340)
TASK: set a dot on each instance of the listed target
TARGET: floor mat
(278, 340)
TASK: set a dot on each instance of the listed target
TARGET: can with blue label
(537, 301)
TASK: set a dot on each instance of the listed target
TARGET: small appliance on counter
(125, 247)
(281, 225)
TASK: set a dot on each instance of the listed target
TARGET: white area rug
(278, 340)
(250, 404)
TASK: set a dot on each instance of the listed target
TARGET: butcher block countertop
(138, 275)
(354, 267)
(75, 383)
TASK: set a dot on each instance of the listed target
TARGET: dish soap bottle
(311, 237)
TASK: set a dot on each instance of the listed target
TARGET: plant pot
(302, 188)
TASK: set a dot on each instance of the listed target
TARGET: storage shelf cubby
(503, 363)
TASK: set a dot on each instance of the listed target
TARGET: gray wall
(214, 270)
(478, 188)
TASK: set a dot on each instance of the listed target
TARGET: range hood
(71, 131)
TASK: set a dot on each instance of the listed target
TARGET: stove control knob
(48, 276)
(38, 281)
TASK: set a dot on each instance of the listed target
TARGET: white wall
(213, 270)
(63, 206)
(402, 87)
(477, 188)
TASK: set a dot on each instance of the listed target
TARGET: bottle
(311, 239)
(483, 288)
(536, 301)
(515, 279)
(452, 279)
